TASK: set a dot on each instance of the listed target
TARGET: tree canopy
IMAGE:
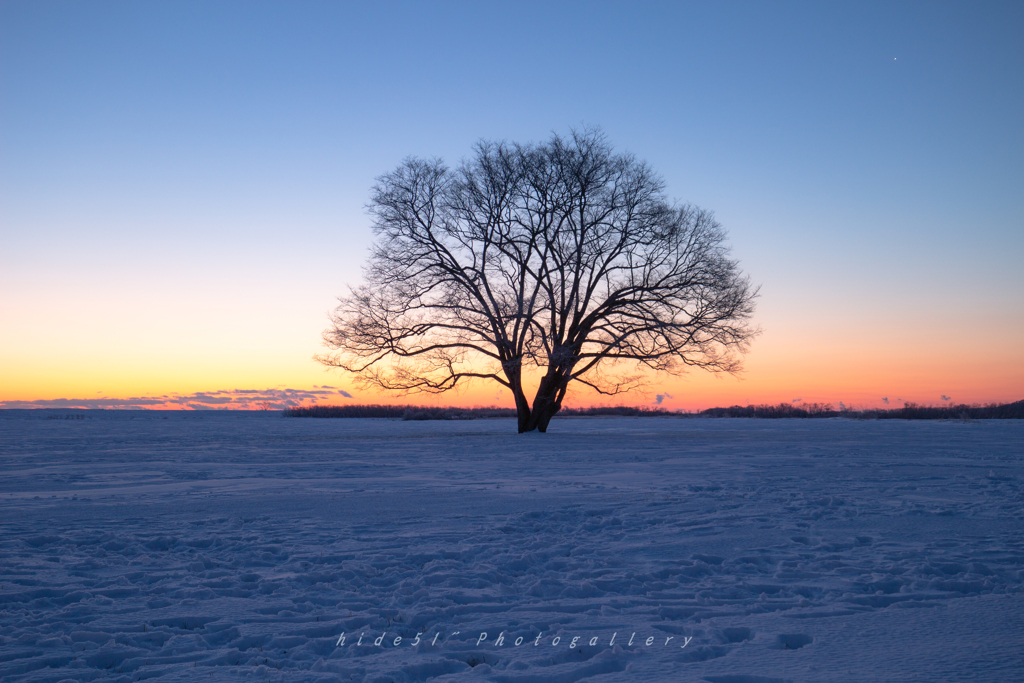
(565, 256)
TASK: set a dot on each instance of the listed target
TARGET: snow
(242, 546)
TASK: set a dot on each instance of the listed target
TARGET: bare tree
(563, 256)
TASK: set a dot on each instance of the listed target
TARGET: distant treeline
(910, 411)
(433, 413)
(774, 411)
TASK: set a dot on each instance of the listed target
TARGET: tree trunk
(515, 379)
(522, 410)
(546, 404)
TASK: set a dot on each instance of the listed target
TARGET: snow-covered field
(226, 546)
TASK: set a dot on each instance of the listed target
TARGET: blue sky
(182, 184)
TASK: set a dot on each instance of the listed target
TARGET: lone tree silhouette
(565, 256)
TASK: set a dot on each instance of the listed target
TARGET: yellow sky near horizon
(119, 340)
(120, 363)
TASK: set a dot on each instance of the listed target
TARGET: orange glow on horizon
(815, 364)
(816, 378)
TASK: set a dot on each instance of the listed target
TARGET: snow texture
(215, 546)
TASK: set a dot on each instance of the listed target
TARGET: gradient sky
(182, 184)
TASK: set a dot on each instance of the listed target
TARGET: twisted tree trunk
(546, 403)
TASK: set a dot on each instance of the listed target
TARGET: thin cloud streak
(234, 399)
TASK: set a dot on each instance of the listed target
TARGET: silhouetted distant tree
(564, 256)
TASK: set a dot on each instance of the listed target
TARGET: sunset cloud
(232, 399)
